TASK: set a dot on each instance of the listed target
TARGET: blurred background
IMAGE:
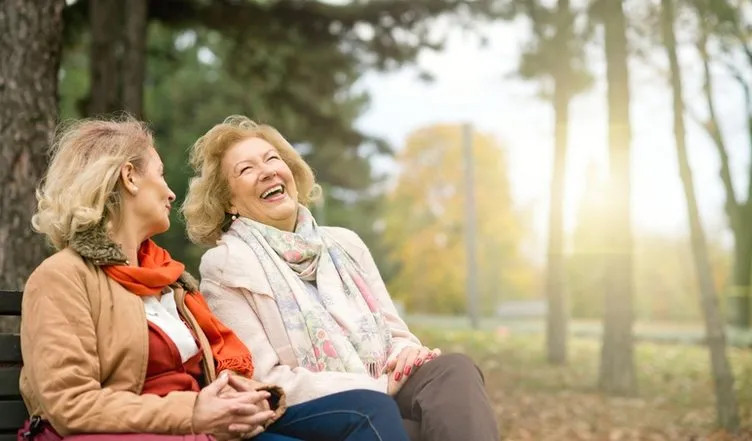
(560, 188)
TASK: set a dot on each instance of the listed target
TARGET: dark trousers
(445, 400)
(354, 415)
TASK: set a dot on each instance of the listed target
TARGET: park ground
(536, 401)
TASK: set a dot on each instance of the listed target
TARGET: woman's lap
(350, 415)
(447, 399)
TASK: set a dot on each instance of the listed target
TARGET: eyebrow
(239, 163)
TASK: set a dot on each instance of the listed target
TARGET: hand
(233, 413)
(409, 360)
(239, 383)
(393, 386)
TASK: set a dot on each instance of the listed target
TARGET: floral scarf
(339, 328)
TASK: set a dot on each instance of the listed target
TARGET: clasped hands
(230, 408)
(405, 363)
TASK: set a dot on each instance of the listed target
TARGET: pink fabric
(49, 434)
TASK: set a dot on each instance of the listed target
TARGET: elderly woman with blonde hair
(308, 300)
(117, 341)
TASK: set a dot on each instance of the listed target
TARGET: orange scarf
(156, 271)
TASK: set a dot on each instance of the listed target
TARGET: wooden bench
(12, 409)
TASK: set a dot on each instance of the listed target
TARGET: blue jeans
(354, 415)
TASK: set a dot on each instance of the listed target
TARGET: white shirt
(164, 314)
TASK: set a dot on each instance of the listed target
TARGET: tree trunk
(738, 291)
(738, 295)
(556, 319)
(617, 372)
(30, 48)
(134, 56)
(105, 19)
(726, 409)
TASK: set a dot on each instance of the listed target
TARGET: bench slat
(13, 414)
(10, 302)
(9, 381)
(10, 348)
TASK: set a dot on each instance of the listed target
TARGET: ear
(128, 176)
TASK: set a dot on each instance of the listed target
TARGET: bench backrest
(12, 409)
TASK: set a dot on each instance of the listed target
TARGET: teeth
(266, 194)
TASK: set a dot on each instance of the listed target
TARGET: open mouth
(272, 192)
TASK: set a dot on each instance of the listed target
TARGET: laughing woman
(309, 300)
(115, 336)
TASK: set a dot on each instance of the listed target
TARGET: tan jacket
(234, 284)
(84, 340)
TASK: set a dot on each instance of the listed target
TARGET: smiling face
(261, 184)
(153, 199)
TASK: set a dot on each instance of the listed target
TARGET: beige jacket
(238, 292)
(84, 340)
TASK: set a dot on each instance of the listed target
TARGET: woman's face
(153, 199)
(262, 187)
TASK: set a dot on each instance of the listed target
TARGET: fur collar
(96, 246)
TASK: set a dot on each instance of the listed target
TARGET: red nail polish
(397, 376)
(407, 370)
(418, 362)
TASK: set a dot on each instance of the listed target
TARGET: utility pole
(470, 223)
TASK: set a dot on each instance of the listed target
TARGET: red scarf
(156, 271)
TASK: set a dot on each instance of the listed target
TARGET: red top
(165, 371)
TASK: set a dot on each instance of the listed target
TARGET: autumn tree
(424, 224)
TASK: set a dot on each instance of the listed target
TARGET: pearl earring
(234, 217)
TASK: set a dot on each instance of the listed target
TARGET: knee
(459, 364)
(371, 400)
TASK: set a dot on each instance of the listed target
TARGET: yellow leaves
(425, 218)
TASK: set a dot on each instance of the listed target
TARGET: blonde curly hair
(81, 187)
(208, 199)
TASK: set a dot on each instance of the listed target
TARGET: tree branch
(713, 129)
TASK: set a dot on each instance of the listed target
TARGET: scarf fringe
(242, 365)
(374, 368)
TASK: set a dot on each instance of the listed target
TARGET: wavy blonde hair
(208, 199)
(81, 187)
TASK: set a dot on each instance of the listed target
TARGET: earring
(234, 217)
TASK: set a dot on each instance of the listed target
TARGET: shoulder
(64, 262)
(231, 257)
(348, 239)
(351, 243)
(66, 269)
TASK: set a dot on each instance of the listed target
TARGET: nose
(171, 196)
(267, 171)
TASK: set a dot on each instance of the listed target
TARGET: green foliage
(556, 49)
(287, 63)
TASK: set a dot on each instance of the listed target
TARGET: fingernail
(418, 362)
(407, 370)
(397, 376)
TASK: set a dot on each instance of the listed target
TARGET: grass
(536, 401)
